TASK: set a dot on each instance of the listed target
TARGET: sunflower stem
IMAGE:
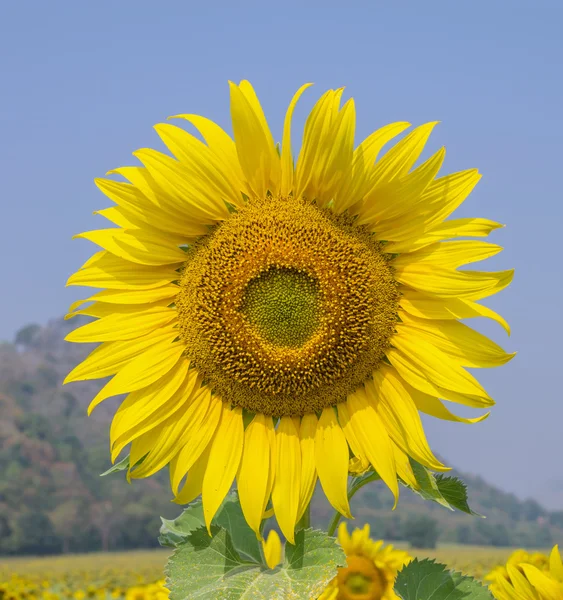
(355, 488)
(305, 521)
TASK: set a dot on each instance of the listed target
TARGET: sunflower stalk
(357, 484)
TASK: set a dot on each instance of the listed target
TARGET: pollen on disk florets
(286, 308)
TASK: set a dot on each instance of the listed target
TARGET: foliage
(421, 531)
(428, 580)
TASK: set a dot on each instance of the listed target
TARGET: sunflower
(371, 571)
(528, 577)
(269, 320)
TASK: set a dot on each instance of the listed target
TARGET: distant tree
(26, 336)
(532, 510)
(556, 518)
(34, 534)
(463, 534)
(421, 531)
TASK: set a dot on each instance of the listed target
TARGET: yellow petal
(545, 585)
(307, 431)
(272, 549)
(141, 371)
(313, 151)
(372, 435)
(194, 481)
(199, 160)
(117, 216)
(123, 325)
(176, 431)
(139, 246)
(555, 564)
(404, 469)
(435, 408)
(138, 209)
(224, 459)
(190, 195)
(287, 167)
(469, 347)
(255, 148)
(285, 493)
(205, 415)
(395, 198)
(449, 255)
(252, 477)
(444, 231)
(112, 272)
(446, 283)
(340, 142)
(331, 458)
(359, 178)
(433, 307)
(398, 410)
(399, 160)
(427, 369)
(128, 297)
(142, 410)
(221, 144)
(110, 357)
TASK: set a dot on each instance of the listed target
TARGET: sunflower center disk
(285, 308)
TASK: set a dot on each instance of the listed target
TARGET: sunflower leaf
(122, 465)
(230, 516)
(454, 491)
(210, 568)
(428, 580)
(428, 487)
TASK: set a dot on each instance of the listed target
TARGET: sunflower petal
(287, 167)
(432, 307)
(469, 347)
(140, 372)
(449, 255)
(331, 458)
(224, 460)
(205, 415)
(468, 285)
(194, 481)
(112, 272)
(123, 325)
(372, 435)
(397, 409)
(285, 493)
(307, 431)
(252, 477)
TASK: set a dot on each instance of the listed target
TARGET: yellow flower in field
(528, 577)
(371, 571)
(268, 318)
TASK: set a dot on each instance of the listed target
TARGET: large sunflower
(269, 320)
(371, 568)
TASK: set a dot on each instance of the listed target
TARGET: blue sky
(84, 82)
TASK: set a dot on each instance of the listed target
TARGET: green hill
(53, 500)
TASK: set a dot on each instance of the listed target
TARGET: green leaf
(454, 491)
(428, 580)
(122, 465)
(229, 516)
(210, 568)
(175, 531)
(450, 492)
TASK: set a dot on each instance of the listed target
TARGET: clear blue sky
(82, 83)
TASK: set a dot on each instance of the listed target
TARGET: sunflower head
(529, 576)
(280, 321)
(371, 568)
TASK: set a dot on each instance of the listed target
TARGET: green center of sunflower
(284, 306)
(358, 583)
